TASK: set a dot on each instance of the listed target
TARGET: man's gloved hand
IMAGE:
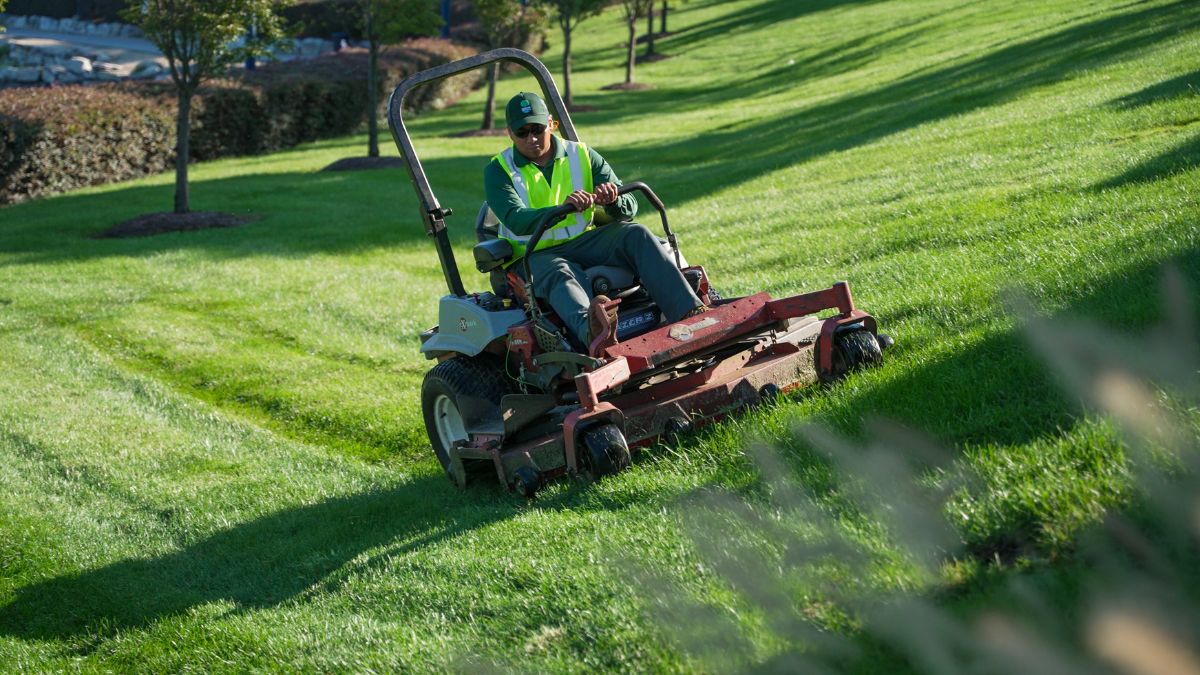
(606, 193)
(580, 199)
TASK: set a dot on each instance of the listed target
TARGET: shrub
(285, 103)
(61, 138)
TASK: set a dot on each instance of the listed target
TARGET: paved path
(122, 51)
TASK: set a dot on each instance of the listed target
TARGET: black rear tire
(445, 386)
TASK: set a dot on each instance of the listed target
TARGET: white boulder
(79, 65)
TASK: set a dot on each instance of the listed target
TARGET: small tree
(389, 20)
(197, 37)
(506, 23)
(569, 14)
(634, 10)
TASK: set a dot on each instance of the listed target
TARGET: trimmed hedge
(60, 138)
(283, 104)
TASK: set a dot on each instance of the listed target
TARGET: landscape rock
(79, 65)
(26, 75)
(107, 76)
(67, 77)
(146, 69)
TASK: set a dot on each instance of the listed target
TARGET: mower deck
(684, 375)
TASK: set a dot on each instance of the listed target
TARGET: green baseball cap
(526, 108)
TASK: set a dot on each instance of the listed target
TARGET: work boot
(696, 311)
(602, 324)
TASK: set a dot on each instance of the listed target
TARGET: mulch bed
(627, 86)
(160, 223)
(365, 164)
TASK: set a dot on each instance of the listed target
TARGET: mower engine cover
(468, 324)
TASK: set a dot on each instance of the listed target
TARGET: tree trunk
(662, 23)
(567, 66)
(373, 98)
(632, 23)
(489, 108)
(650, 29)
(182, 151)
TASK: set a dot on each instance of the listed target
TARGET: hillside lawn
(211, 449)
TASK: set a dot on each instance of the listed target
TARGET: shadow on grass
(1184, 85)
(303, 214)
(747, 20)
(1182, 157)
(255, 565)
(998, 391)
(747, 150)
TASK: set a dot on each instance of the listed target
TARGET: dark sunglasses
(535, 129)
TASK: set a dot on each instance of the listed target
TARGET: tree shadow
(1187, 84)
(853, 53)
(765, 14)
(303, 214)
(998, 391)
(741, 151)
(259, 564)
(1181, 158)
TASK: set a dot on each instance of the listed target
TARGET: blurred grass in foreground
(1127, 599)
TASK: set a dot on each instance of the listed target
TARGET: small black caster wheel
(674, 428)
(854, 350)
(885, 341)
(605, 451)
(526, 482)
(769, 393)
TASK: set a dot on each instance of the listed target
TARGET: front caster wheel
(604, 451)
(854, 350)
(526, 482)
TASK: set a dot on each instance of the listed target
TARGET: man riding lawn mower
(603, 338)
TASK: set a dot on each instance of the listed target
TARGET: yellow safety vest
(571, 172)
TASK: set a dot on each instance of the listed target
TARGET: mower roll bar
(433, 213)
(556, 214)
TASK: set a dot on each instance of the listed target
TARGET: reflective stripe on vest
(534, 192)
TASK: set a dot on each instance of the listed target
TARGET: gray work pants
(558, 273)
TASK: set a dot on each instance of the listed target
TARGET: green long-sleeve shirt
(504, 202)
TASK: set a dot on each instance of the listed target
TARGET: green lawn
(211, 449)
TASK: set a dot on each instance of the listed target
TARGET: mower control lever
(639, 186)
(554, 215)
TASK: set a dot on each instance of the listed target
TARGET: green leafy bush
(61, 138)
(286, 103)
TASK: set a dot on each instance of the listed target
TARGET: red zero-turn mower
(511, 396)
